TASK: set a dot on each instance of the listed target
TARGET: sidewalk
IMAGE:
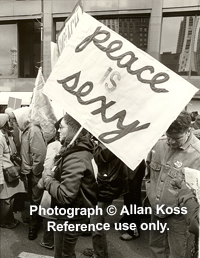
(14, 243)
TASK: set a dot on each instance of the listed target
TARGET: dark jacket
(112, 175)
(190, 201)
(192, 217)
(74, 184)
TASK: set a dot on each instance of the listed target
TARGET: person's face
(176, 140)
(13, 121)
(65, 131)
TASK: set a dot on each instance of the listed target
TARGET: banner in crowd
(14, 103)
(41, 109)
(69, 26)
(54, 54)
(123, 96)
(192, 178)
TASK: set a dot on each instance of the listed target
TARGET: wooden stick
(75, 136)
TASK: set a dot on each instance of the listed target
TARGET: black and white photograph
(99, 128)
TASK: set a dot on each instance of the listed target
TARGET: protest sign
(14, 102)
(192, 178)
(69, 26)
(41, 109)
(123, 96)
(54, 54)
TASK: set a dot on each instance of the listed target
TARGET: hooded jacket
(5, 161)
(74, 184)
(33, 146)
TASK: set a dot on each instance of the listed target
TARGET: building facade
(168, 30)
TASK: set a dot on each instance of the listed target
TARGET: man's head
(179, 130)
(12, 119)
(22, 116)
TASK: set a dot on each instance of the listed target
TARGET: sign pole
(42, 28)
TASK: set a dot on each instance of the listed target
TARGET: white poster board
(69, 26)
(192, 178)
(123, 96)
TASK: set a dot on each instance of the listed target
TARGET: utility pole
(42, 33)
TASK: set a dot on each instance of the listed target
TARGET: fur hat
(3, 119)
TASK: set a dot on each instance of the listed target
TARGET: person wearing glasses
(166, 162)
(72, 184)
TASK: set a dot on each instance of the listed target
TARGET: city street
(15, 243)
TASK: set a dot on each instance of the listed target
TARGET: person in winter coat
(166, 161)
(187, 198)
(33, 152)
(112, 179)
(8, 191)
(16, 131)
(133, 198)
(15, 134)
(53, 149)
(72, 186)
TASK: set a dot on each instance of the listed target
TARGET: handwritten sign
(192, 177)
(123, 96)
(14, 102)
(69, 26)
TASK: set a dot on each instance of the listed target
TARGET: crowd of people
(77, 171)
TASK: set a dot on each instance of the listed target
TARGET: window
(8, 51)
(20, 49)
(129, 28)
(29, 48)
(59, 25)
(139, 25)
(180, 47)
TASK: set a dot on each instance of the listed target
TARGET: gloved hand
(177, 183)
(46, 181)
(40, 184)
